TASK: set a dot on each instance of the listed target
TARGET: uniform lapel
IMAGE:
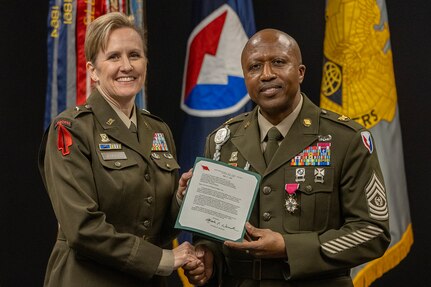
(146, 133)
(303, 133)
(247, 141)
(113, 126)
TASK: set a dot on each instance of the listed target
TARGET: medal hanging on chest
(291, 203)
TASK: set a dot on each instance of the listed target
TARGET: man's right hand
(200, 271)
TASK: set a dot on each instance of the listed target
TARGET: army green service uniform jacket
(114, 197)
(342, 219)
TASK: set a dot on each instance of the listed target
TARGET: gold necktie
(273, 136)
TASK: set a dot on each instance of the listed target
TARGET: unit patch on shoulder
(64, 139)
(368, 141)
(376, 198)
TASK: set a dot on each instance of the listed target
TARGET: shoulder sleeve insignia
(64, 139)
(367, 141)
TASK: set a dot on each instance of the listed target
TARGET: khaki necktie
(274, 136)
(134, 130)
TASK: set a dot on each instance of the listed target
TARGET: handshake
(197, 262)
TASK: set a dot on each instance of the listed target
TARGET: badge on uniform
(109, 146)
(159, 142)
(319, 174)
(221, 136)
(104, 138)
(300, 174)
(319, 155)
(155, 155)
(113, 155)
(233, 156)
(168, 155)
(368, 141)
(291, 204)
(110, 121)
(64, 139)
(376, 197)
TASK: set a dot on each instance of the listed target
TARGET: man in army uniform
(321, 207)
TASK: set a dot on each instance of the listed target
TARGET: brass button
(147, 177)
(117, 164)
(147, 223)
(266, 190)
(308, 188)
(266, 216)
(150, 199)
(168, 165)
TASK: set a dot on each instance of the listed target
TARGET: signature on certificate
(213, 221)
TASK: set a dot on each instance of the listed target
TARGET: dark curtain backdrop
(28, 226)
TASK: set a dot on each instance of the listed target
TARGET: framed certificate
(218, 201)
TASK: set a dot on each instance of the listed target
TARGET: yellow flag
(358, 81)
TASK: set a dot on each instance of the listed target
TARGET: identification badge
(113, 155)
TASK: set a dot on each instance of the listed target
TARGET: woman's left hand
(183, 182)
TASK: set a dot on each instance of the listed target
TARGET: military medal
(291, 203)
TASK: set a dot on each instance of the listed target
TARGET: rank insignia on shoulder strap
(159, 142)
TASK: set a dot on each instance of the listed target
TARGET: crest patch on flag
(213, 86)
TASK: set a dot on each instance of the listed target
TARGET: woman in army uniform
(112, 175)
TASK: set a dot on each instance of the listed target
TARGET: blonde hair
(96, 37)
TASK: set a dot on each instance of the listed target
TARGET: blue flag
(213, 85)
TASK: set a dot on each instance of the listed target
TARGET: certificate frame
(219, 200)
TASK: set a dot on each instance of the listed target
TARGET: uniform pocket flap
(312, 179)
(165, 161)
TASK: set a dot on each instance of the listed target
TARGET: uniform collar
(284, 126)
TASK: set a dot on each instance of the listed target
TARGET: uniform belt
(258, 269)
